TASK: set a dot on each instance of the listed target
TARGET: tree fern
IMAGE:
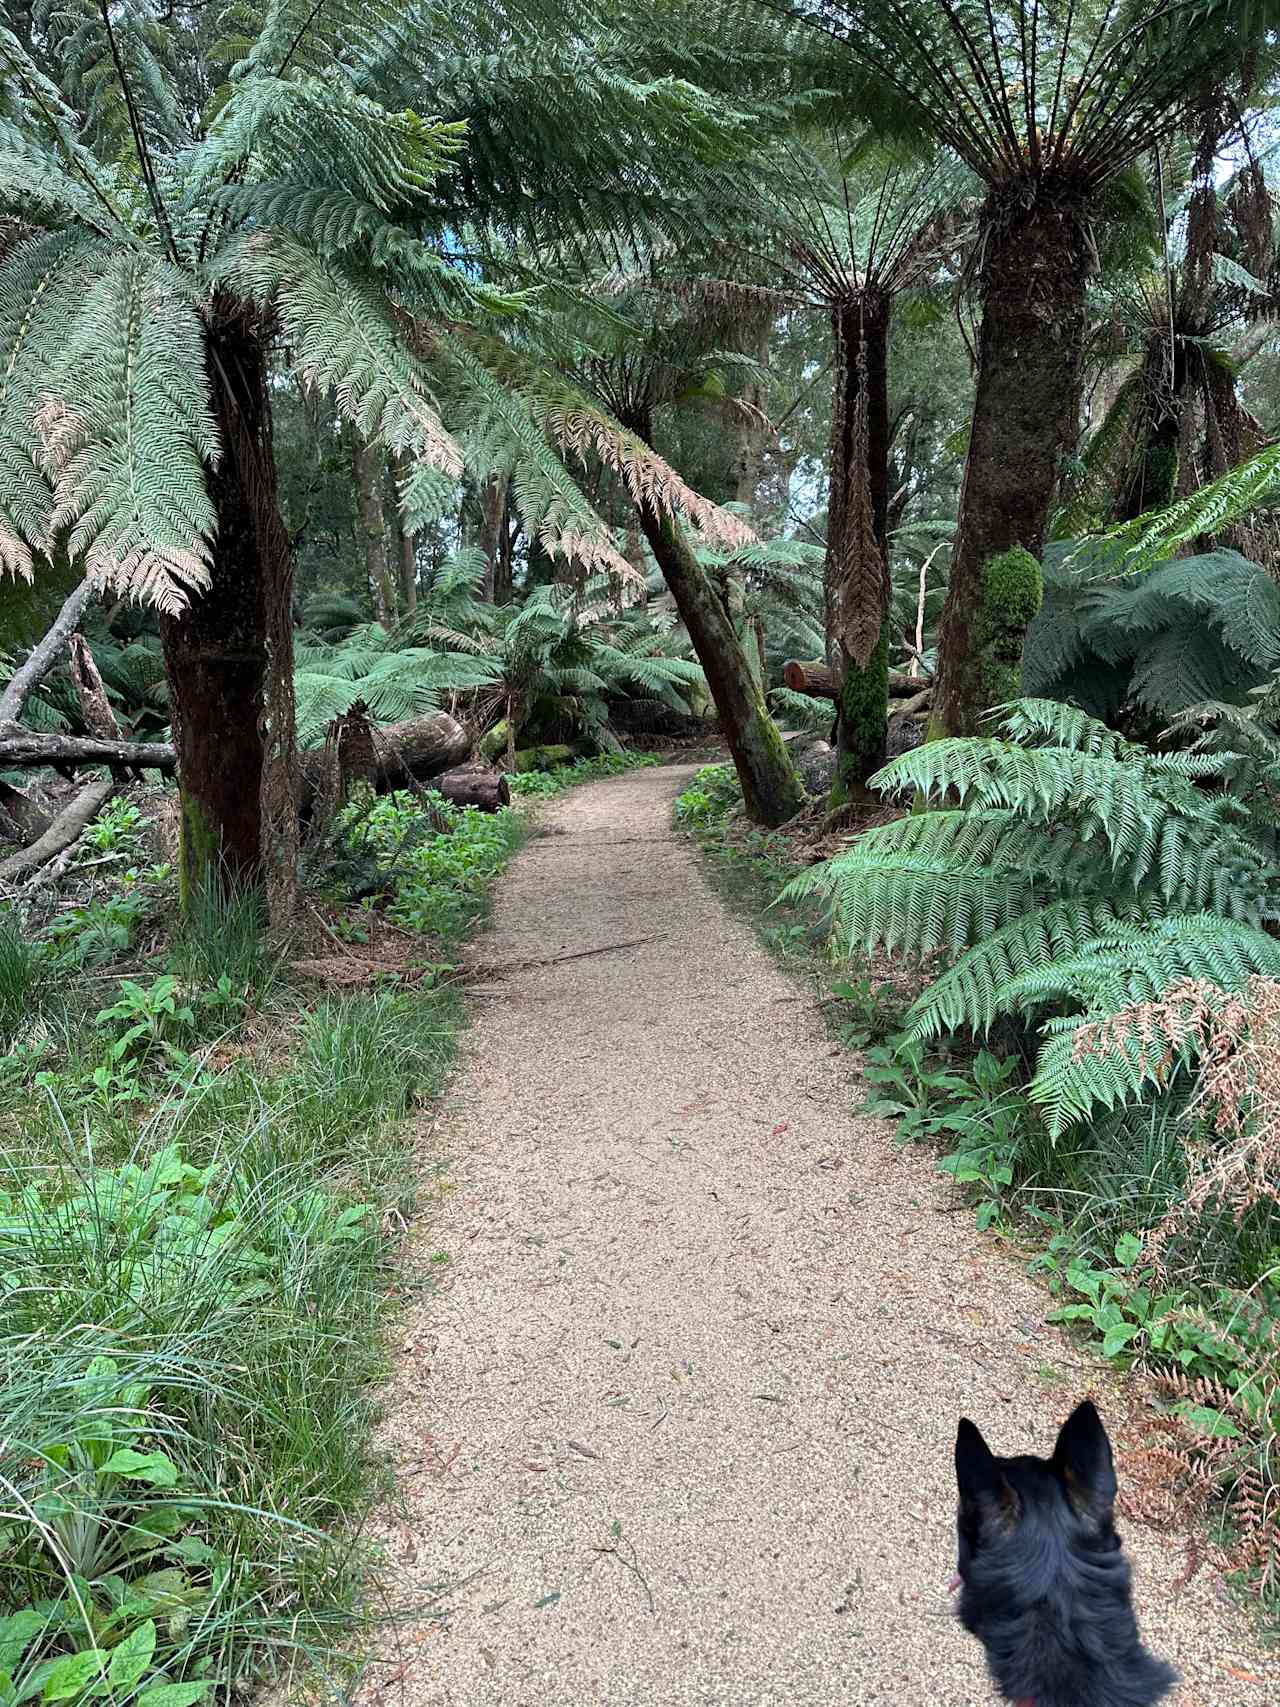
(1063, 867)
(1201, 628)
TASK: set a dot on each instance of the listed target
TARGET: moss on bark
(1012, 591)
(860, 738)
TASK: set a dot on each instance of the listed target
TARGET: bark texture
(232, 738)
(1024, 415)
(368, 465)
(771, 789)
(857, 567)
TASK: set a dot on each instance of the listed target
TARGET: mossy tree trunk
(857, 540)
(229, 655)
(368, 466)
(1024, 418)
(771, 789)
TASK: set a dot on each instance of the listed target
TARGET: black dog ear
(1083, 1459)
(985, 1493)
(977, 1472)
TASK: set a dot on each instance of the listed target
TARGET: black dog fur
(1044, 1585)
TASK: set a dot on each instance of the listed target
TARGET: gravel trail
(676, 1427)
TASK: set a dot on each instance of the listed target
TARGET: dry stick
(42, 657)
(64, 830)
(579, 954)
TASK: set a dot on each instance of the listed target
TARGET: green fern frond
(1125, 965)
(1150, 538)
(126, 432)
(912, 902)
(998, 975)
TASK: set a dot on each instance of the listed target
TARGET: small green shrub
(713, 795)
(542, 784)
(118, 828)
(99, 931)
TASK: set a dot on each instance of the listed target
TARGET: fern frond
(998, 975)
(914, 903)
(126, 431)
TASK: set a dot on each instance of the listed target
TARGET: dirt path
(678, 1426)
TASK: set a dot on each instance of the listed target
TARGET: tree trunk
(857, 572)
(1029, 359)
(770, 787)
(493, 518)
(232, 725)
(368, 465)
(751, 422)
(406, 545)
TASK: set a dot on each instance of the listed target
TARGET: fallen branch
(42, 657)
(819, 681)
(21, 747)
(95, 707)
(910, 707)
(66, 828)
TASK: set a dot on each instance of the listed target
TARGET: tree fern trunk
(860, 477)
(1024, 421)
(772, 791)
(229, 656)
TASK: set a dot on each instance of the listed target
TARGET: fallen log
(818, 680)
(387, 756)
(21, 748)
(474, 785)
(419, 748)
(66, 827)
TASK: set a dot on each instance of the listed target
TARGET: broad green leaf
(151, 1467)
(130, 1659)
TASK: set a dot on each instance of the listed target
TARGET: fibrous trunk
(229, 655)
(1024, 418)
(857, 572)
(406, 544)
(771, 789)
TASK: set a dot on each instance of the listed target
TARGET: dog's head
(1044, 1584)
(1069, 1497)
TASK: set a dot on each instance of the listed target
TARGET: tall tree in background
(665, 359)
(1048, 106)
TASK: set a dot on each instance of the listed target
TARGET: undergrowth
(200, 1164)
(538, 785)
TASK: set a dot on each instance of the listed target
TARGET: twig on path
(558, 959)
(632, 1565)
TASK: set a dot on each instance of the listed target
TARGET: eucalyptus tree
(207, 199)
(1049, 105)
